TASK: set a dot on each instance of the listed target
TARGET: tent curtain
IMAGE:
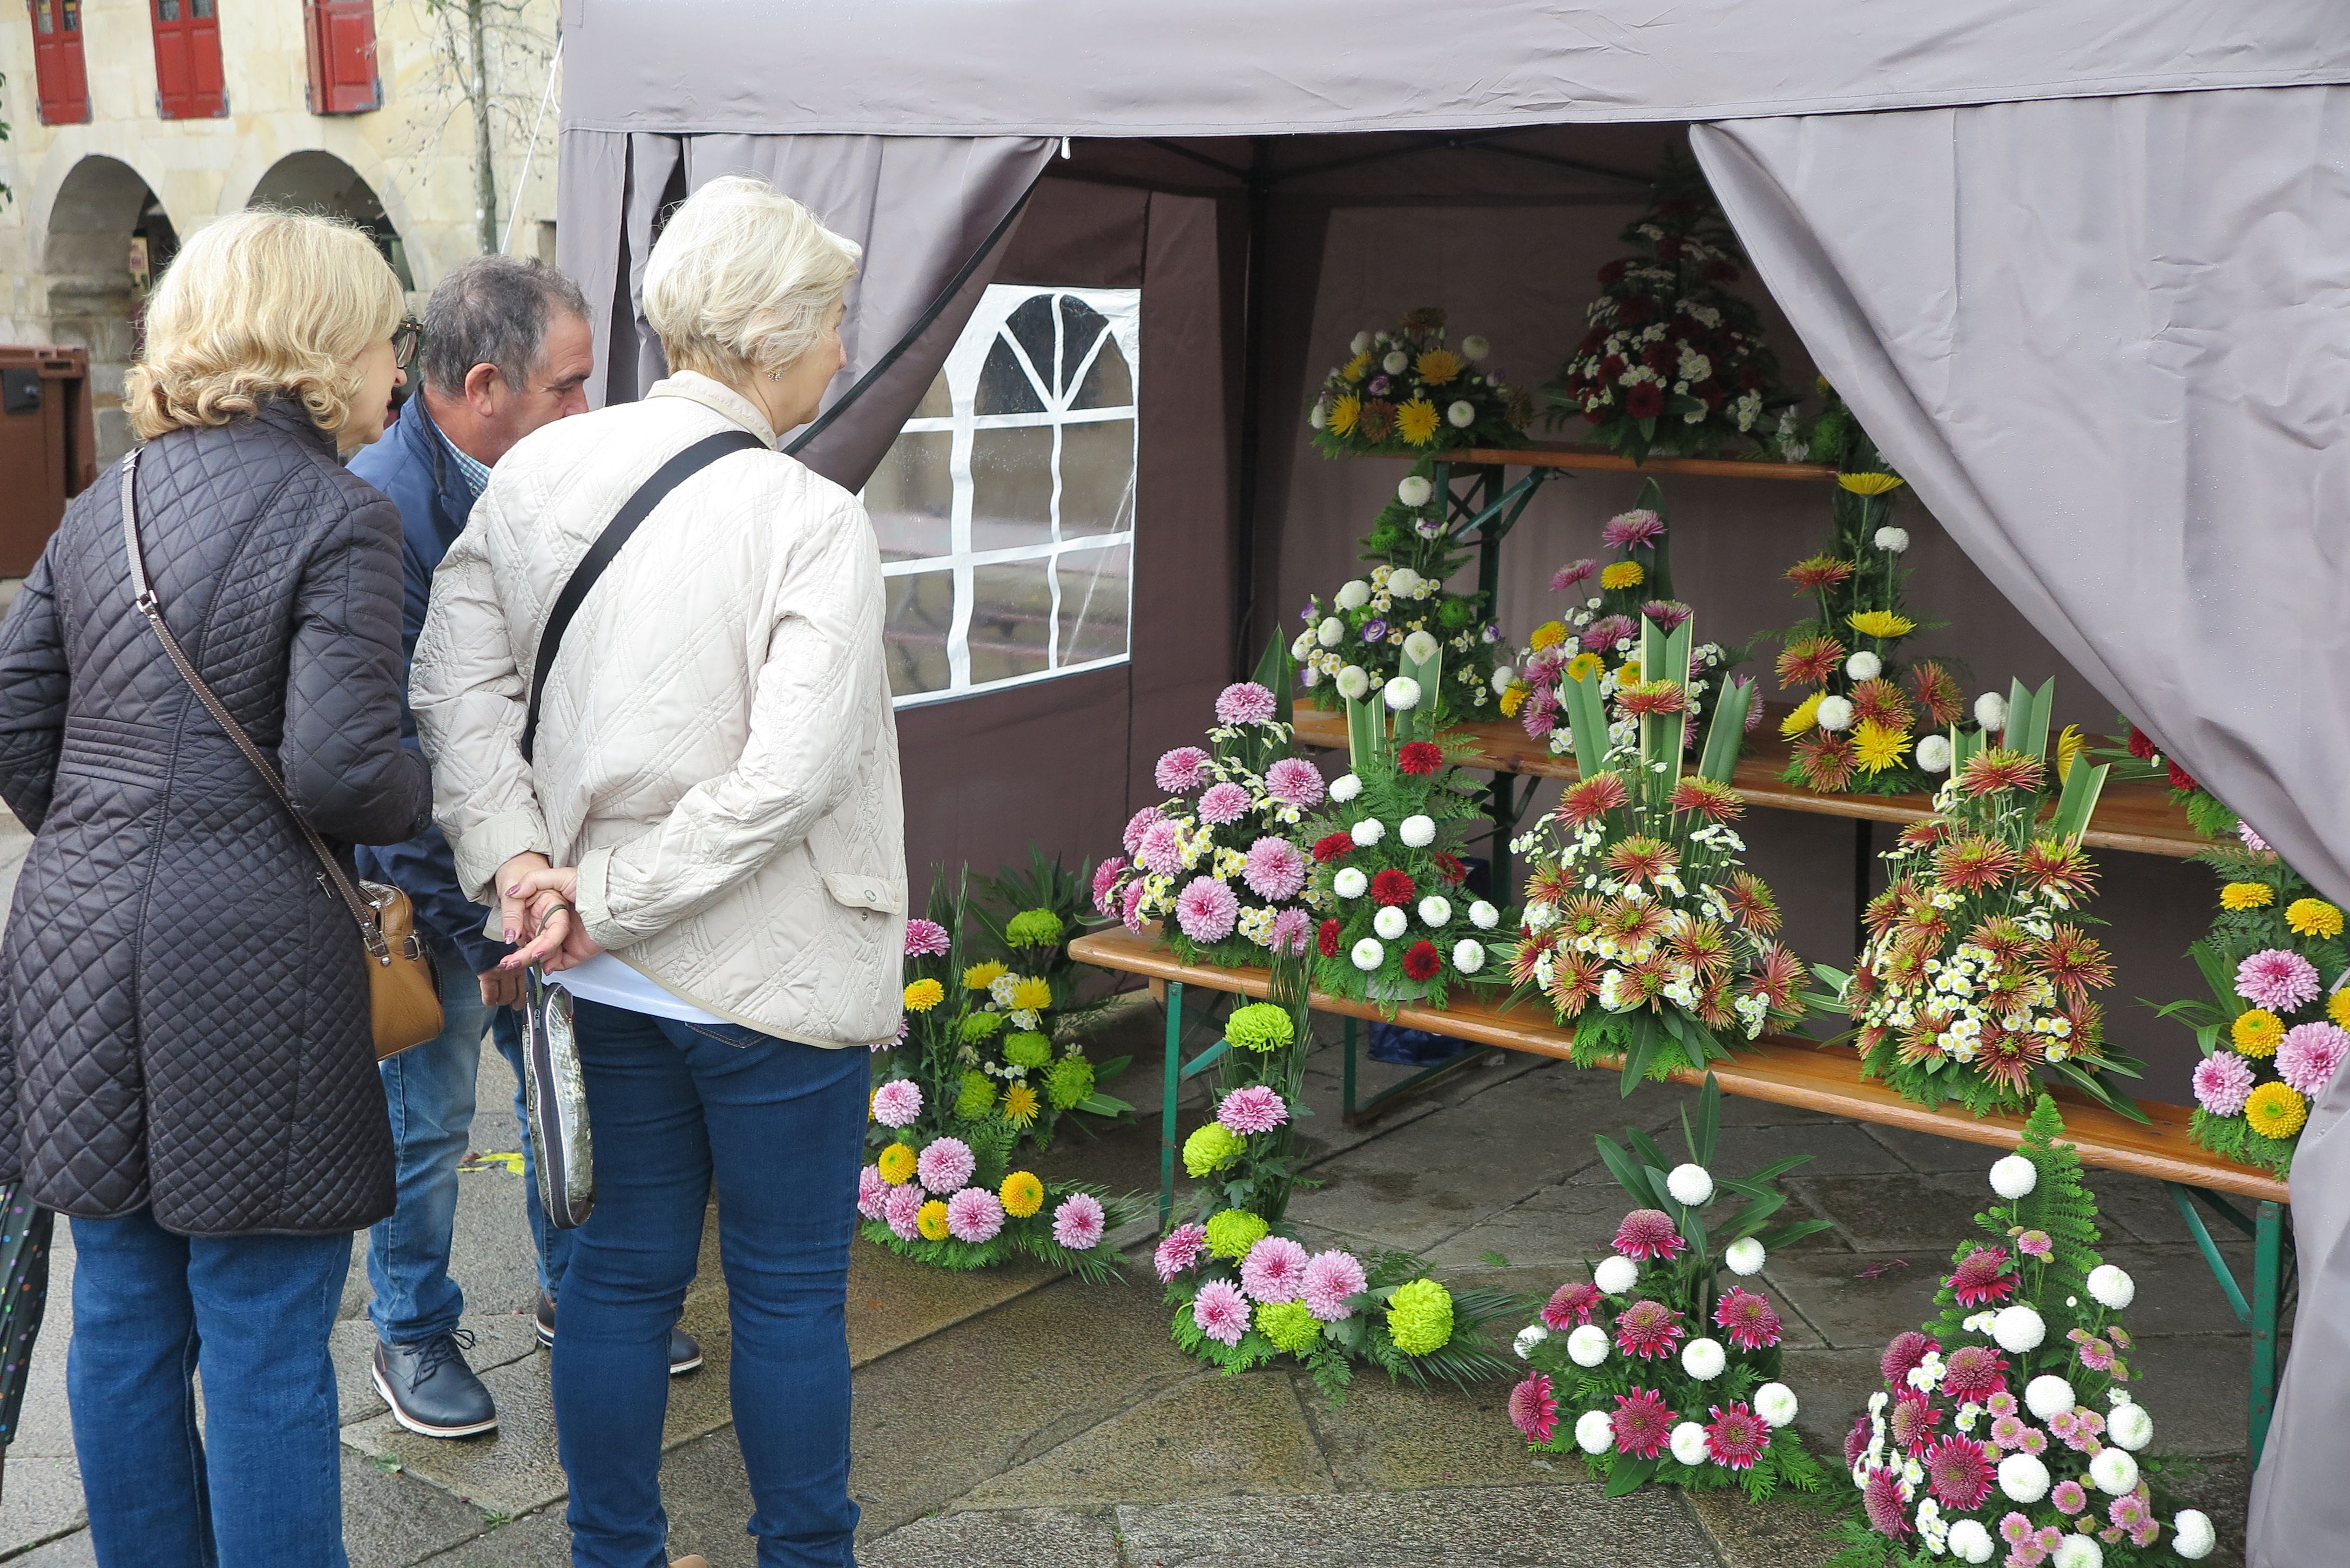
(2108, 342)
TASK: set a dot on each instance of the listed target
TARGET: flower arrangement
(958, 1203)
(2275, 1030)
(1601, 633)
(2137, 759)
(1246, 1290)
(1673, 363)
(1641, 925)
(2007, 1425)
(1404, 392)
(1977, 979)
(1399, 924)
(1218, 862)
(1665, 1365)
(1369, 620)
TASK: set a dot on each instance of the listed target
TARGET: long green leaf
(1709, 1122)
(2017, 735)
(1588, 719)
(2043, 704)
(1627, 1172)
(1725, 730)
(1275, 673)
(1362, 732)
(2079, 801)
(1629, 1475)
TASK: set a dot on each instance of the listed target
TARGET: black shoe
(684, 1350)
(430, 1389)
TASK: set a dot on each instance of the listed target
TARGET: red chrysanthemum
(1592, 798)
(1973, 1374)
(1648, 1235)
(1649, 1330)
(1326, 940)
(1421, 757)
(2181, 780)
(1331, 845)
(1449, 866)
(1901, 1357)
(1974, 862)
(1736, 1436)
(1751, 904)
(1749, 1319)
(1652, 700)
(1981, 1277)
(1645, 401)
(1857, 1441)
(1643, 1424)
(1819, 571)
(1420, 961)
(2142, 746)
(1709, 798)
(1911, 1422)
(1881, 1496)
(1393, 886)
(1990, 773)
(1959, 1472)
(1571, 1306)
(1810, 660)
(1533, 1410)
(1640, 858)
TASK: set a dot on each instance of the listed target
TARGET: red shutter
(341, 37)
(57, 69)
(187, 59)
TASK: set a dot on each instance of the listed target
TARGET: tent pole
(1253, 307)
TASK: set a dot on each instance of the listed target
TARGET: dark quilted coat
(185, 1005)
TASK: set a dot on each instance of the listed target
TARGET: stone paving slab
(1028, 1537)
(1781, 1533)
(1891, 1212)
(1390, 1437)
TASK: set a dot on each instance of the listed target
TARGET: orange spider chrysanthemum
(1880, 701)
(2053, 865)
(1938, 692)
(1819, 571)
(1652, 699)
(1590, 799)
(2009, 1059)
(1574, 982)
(1639, 858)
(1777, 972)
(1750, 903)
(2076, 962)
(1989, 773)
(1809, 660)
(1709, 798)
(2002, 938)
(1973, 864)
(1702, 945)
(1552, 885)
(1827, 762)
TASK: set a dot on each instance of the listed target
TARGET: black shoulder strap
(666, 478)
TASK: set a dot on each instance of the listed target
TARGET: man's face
(556, 389)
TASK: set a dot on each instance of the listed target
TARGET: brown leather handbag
(403, 992)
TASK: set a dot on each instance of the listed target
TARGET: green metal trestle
(2271, 1243)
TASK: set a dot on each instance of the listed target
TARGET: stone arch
(317, 181)
(94, 296)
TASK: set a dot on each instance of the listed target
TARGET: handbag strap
(368, 918)
(633, 511)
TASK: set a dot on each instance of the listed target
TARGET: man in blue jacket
(505, 350)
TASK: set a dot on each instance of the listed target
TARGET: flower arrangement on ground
(1642, 924)
(1601, 633)
(1979, 979)
(1867, 722)
(1246, 1290)
(1665, 1365)
(2137, 759)
(2275, 1030)
(1404, 392)
(1404, 601)
(1218, 862)
(2007, 1425)
(1673, 363)
(1398, 925)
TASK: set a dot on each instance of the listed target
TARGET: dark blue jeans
(264, 1483)
(777, 1128)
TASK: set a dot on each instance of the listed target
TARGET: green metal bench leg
(1166, 1106)
(2268, 1248)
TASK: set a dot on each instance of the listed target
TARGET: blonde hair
(261, 304)
(744, 278)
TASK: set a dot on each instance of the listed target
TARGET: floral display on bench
(1405, 392)
(2137, 759)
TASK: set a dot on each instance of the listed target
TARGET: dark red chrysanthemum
(2181, 780)
(1420, 961)
(1421, 757)
(1981, 1278)
(1901, 1357)
(1648, 1235)
(1973, 1374)
(1747, 1318)
(1912, 1422)
(1533, 1410)
(1642, 1423)
(1326, 940)
(1449, 866)
(1958, 1471)
(2142, 746)
(1571, 1306)
(1331, 845)
(1887, 1515)
(1645, 401)
(1393, 886)
(1649, 1330)
(1736, 1436)
(1857, 1441)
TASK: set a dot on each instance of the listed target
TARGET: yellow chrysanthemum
(2337, 1008)
(2276, 1110)
(1354, 368)
(980, 976)
(1622, 575)
(2070, 742)
(1550, 634)
(1512, 700)
(1344, 413)
(931, 1220)
(2257, 1031)
(1022, 1194)
(1876, 747)
(1807, 714)
(1438, 366)
(1020, 1106)
(1628, 672)
(2246, 896)
(924, 994)
(898, 1162)
(1031, 994)
(1869, 483)
(1880, 623)
(2314, 917)
(1416, 421)
(1585, 665)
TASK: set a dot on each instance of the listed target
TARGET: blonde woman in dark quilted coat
(188, 1070)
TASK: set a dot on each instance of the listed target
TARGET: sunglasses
(406, 338)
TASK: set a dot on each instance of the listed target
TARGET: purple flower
(1207, 910)
(1182, 770)
(1379, 384)
(1574, 572)
(1375, 630)
(1223, 804)
(1275, 868)
(1245, 702)
(946, 1166)
(1161, 849)
(1079, 1222)
(1667, 613)
(1292, 930)
(1178, 1251)
(872, 1192)
(1307, 615)
(1543, 669)
(1331, 1278)
(925, 939)
(1630, 530)
(974, 1215)
(1491, 633)
(2309, 1056)
(2223, 1082)
(1294, 781)
(1220, 1311)
(1427, 527)
(1274, 1269)
(1137, 824)
(897, 1102)
(1605, 632)
(2277, 979)
(2252, 841)
(1254, 1108)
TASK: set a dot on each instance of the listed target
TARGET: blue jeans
(778, 1128)
(264, 1483)
(429, 1090)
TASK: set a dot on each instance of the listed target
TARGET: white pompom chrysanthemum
(1483, 916)
(1834, 714)
(2115, 1470)
(1534, 1333)
(1594, 1432)
(1368, 955)
(1414, 489)
(1687, 1443)
(2111, 1288)
(1691, 1186)
(1587, 1345)
(1395, 363)
(1419, 646)
(1436, 908)
(1417, 830)
(1864, 666)
(1402, 693)
(1354, 683)
(1744, 1257)
(2191, 1535)
(1403, 582)
(1991, 711)
(1934, 753)
(1895, 540)
(2013, 1176)
(1504, 677)
(2078, 1552)
(2018, 1328)
(2048, 1397)
(1349, 882)
(1331, 632)
(1367, 832)
(1345, 787)
(1474, 347)
(2130, 1426)
(1391, 922)
(1969, 1541)
(1352, 594)
(1776, 1404)
(1703, 1359)
(2023, 1478)
(1468, 956)
(1614, 1275)
(1461, 414)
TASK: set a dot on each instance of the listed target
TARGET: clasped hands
(538, 920)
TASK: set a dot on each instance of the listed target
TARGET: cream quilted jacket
(715, 750)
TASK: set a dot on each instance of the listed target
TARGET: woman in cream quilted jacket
(705, 848)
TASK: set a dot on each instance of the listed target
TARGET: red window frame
(61, 81)
(340, 36)
(187, 83)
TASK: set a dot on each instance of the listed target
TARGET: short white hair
(744, 278)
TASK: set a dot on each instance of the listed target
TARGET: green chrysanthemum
(1027, 1049)
(1420, 1318)
(979, 1026)
(1289, 1325)
(1232, 1232)
(1259, 1026)
(977, 1098)
(1070, 1082)
(1209, 1149)
(1032, 929)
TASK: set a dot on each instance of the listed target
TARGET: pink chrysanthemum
(1648, 1235)
(1179, 1250)
(1911, 1423)
(1534, 1411)
(2035, 1243)
(905, 1027)
(902, 1211)
(1223, 804)
(2008, 1431)
(1079, 1222)
(1332, 1278)
(1254, 1108)
(2252, 841)
(1665, 613)
(2310, 1055)
(2001, 1404)
(1881, 1496)
(1628, 530)
(1292, 930)
(1649, 1330)
(2223, 1082)
(1207, 910)
(1980, 1280)
(1605, 632)
(1856, 1440)
(1275, 868)
(1245, 702)
(1642, 1424)
(1538, 720)
(1736, 1436)
(1137, 824)
(1747, 1318)
(1901, 1357)
(1959, 1472)
(2068, 1497)
(1162, 851)
(872, 1192)
(1106, 876)
(1130, 907)
(1973, 1374)
(2277, 979)
(1182, 771)
(2096, 1353)
(2015, 1530)
(946, 1166)
(1571, 1306)
(974, 1215)
(896, 1103)
(1274, 1269)
(1220, 1311)
(1294, 781)
(1571, 574)
(925, 939)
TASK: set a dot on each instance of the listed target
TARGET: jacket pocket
(876, 893)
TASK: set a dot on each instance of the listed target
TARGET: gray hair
(493, 310)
